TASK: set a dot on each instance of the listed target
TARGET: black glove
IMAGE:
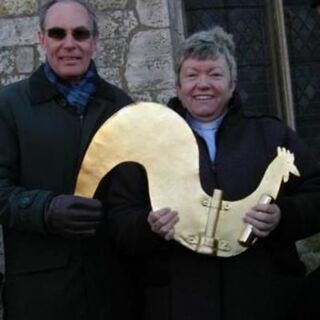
(72, 215)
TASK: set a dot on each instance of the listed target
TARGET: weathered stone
(8, 34)
(164, 95)
(108, 4)
(11, 79)
(111, 53)
(142, 96)
(176, 10)
(153, 13)
(111, 75)
(18, 31)
(27, 30)
(7, 60)
(116, 24)
(25, 59)
(150, 63)
(17, 7)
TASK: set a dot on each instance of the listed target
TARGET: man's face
(67, 40)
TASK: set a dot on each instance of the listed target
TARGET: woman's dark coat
(307, 305)
(177, 284)
(42, 143)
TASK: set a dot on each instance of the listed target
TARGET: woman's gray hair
(209, 44)
(92, 16)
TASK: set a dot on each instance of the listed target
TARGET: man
(56, 265)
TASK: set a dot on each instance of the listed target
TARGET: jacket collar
(42, 90)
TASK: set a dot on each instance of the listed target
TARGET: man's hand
(264, 218)
(163, 221)
(71, 215)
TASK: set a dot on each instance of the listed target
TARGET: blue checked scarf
(78, 95)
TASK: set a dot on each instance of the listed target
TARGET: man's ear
(41, 39)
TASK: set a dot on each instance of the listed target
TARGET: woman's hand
(264, 218)
(163, 221)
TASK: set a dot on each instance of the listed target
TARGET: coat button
(24, 202)
(62, 102)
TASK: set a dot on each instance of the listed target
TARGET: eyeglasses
(78, 34)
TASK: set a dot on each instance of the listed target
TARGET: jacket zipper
(81, 121)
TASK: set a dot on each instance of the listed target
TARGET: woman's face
(205, 87)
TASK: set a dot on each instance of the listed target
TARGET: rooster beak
(295, 171)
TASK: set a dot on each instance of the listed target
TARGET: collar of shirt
(206, 130)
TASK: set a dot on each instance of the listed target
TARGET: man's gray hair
(209, 44)
(92, 16)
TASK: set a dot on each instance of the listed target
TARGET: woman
(235, 149)
(307, 306)
(316, 5)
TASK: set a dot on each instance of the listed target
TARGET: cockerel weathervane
(207, 223)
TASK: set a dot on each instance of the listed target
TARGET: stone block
(7, 61)
(164, 95)
(25, 59)
(18, 31)
(8, 34)
(142, 96)
(111, 75)
(27, 30)
(5, 80)
(108, 4)
(13, 8)
(111, 53)
(114, 24)
(153, 13)
(149, 62)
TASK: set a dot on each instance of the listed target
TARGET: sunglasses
(78, 34)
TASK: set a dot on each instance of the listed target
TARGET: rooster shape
(161, 141)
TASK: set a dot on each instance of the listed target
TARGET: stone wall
(135, 50)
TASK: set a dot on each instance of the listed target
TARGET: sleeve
(300, 203)
(20, 209)
(128, 206)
